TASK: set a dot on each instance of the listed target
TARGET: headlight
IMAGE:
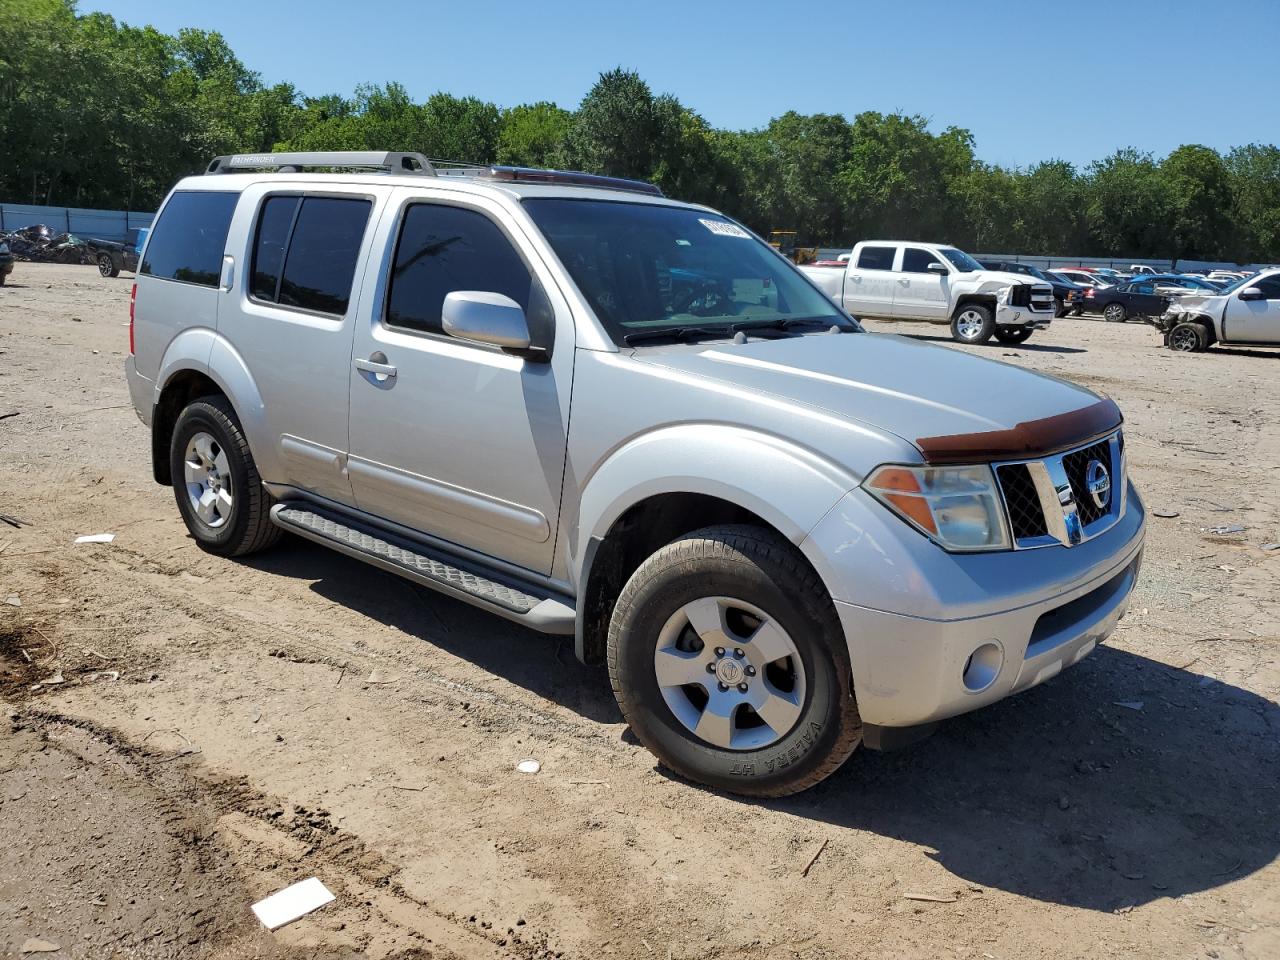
(958, 507)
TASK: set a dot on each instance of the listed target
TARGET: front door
(922, 292)
(1254, 321)
(869, 282)
(457, 440)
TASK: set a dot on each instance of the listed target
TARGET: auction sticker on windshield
(722, 229)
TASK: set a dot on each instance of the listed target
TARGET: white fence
(106, 224)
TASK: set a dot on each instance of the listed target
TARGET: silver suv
(597, 411)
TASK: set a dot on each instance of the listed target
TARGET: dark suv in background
(1067, 296)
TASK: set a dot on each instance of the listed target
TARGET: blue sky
(1033, 80)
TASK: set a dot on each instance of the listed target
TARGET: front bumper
(1007, 316)
(932, 634)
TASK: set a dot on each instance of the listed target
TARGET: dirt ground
(185, 734)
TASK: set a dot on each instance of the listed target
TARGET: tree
(533, 135)
(1129, 206)
(1254, 173)
(616, 128)
(1199, 196)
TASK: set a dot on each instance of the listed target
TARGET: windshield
(962, 261)
(645, 268)
(1235, 285)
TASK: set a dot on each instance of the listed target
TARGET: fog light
(982, 667)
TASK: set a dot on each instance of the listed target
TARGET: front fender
(786, 485)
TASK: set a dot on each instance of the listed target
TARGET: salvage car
(783, 535)
(1066, 295)
(937, 283)
(111, 256)
(1247, 313)
(6, 261)
(1135, 298)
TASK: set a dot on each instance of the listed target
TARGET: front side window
(442, 249)
(915, 260)
(876, 258)
(648, 268)
(305, 251)
(1270, 287)
(961, 260)
(190, 238)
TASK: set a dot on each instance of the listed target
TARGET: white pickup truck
(895, 280)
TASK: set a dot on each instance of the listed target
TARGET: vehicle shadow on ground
(1244, 352)
(544, 665)
(1061, 795)
(946, 339)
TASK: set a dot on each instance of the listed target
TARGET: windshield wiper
(675, 333)
(790, 323)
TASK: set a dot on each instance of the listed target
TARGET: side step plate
(543, 613)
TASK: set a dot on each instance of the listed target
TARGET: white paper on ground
(96, 538)
(292, 902)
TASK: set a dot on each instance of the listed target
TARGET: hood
(999, 276)
(917, 391)
(1194, 301)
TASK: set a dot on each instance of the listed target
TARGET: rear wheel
(1188, 338)
(729, 663)
(1013, 334)
(973, 323)
(216, 483)
(1115, 313)
(107, 265)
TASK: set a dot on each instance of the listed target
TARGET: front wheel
(1188, 338)
(216, 483)
(1013, 334)
(107, 265)
(728, 662)
(1060, 308)
(1115, 313)
(973, 323)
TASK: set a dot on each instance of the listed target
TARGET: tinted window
(1146, 286)
(274, 224)
(190, 237)
(321, 261)
(876, 258)
(915, 260)
(442, 249)
(1270, 287)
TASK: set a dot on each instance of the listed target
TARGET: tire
(752, 586)
(1059, 308)
(107, 265)
(238, 523)
(1115, 313)
(1187, 337)
(1013, 334)
(973, 323)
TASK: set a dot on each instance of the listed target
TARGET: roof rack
(391, 162)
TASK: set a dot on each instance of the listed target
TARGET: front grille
(1020, 296)
(1077, 465)
(1025, 515)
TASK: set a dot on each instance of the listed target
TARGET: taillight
(133, 301)
(1088, 293)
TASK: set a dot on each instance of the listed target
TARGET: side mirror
(1253, 293)
(484, 317)
(936, 267)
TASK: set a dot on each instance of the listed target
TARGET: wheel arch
(987, 300)
(625, 516)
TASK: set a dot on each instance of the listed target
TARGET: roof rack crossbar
(392, 162)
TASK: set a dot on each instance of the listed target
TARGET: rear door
(870, 283)
(921, 293)
(288, 312)
(1145, 298)
(1254, 321)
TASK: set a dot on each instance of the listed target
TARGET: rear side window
(442, 249)
(876, 258)
(305, 251)
(915, 260)
(190, 237)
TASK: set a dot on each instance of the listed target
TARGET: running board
(544, 613)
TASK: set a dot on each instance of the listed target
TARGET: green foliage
(99, 113)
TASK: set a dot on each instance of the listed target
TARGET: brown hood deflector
(1031, 438)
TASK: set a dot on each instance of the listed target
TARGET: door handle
(904, 280)
(376, 365)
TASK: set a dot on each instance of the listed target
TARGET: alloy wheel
(970, 324)
(207, 473)
(730, 673)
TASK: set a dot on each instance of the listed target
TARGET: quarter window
(442, 249)
(306, 249)
(876, 258)
(190, 238)
(915, 260)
